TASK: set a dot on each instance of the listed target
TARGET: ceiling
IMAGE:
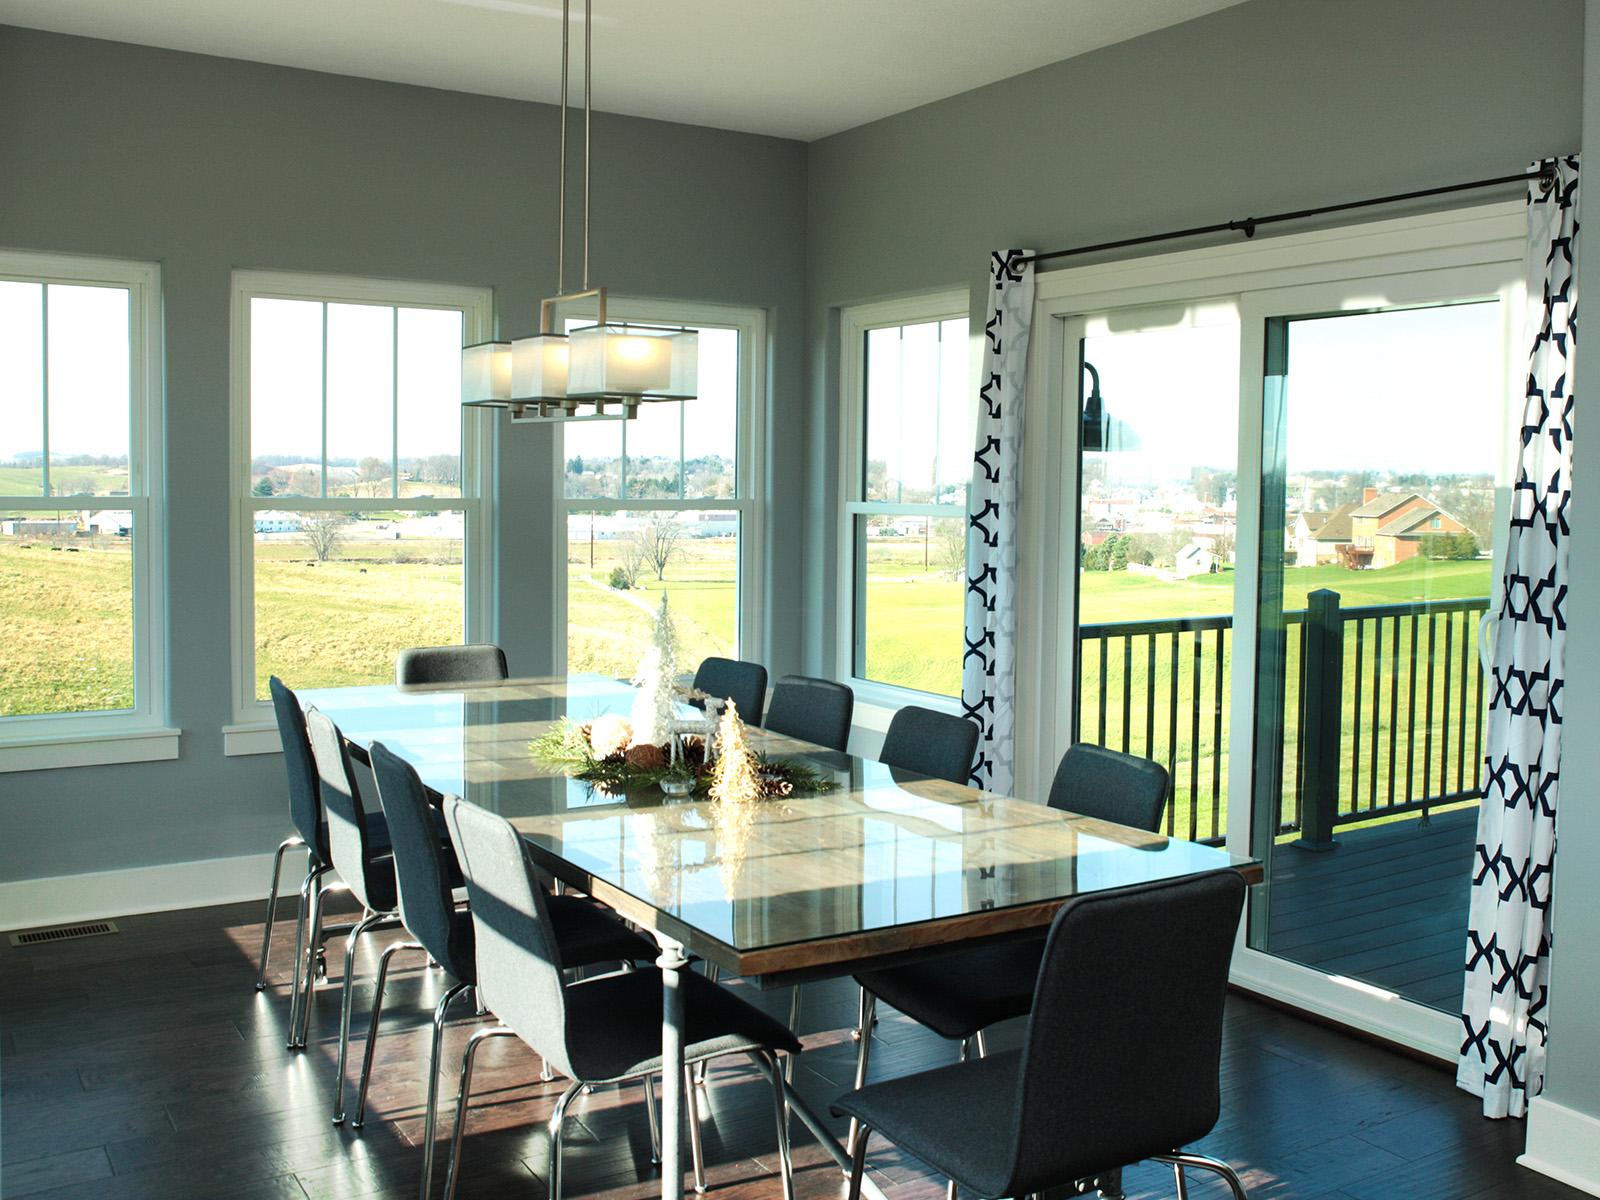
(790, 68)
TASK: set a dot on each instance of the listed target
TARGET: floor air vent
(63, 933)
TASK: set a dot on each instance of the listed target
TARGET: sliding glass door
(1383, 443)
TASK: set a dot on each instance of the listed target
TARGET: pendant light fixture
(599, 372)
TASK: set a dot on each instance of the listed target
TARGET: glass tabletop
(887, 862)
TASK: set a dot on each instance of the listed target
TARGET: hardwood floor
(143, 1065)
(1388, 905)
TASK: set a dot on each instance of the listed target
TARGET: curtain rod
(1545, 174)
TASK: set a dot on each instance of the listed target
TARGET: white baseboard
(60, 899)
(1564, 1144)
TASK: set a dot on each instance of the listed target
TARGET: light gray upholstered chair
(938, 745)
(745, 683)
(1120, 1062)
(600, 1030)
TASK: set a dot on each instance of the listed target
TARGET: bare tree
(953, 546)
(371, 473)
(630, 560)
(322, 531)
(657, 540)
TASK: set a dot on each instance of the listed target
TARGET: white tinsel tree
(736, 778)
(654, 705)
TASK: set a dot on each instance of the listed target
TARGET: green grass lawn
(68, 645)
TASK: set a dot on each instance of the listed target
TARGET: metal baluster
(1127, 692)
(1427, 723)
(1377, 712)
(1216, 742)
(1355, 722)
(1194, 739)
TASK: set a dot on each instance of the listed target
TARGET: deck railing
(1383, 710)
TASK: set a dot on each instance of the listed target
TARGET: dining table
(885, 867)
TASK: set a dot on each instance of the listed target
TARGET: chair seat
(958, 994)
(959, 1120)
(615, 1022)
(382, 891)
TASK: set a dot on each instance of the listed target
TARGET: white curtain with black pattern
(1509, 926)
(989, 664)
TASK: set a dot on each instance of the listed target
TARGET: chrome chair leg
(768, 1062)
(431, 1118)
(352, 944)
(299, 1029)
(864, 1018)
(302, 918)
(858, 1164)
(452, 1176)
(1202, 1162)
(272, 908)
(983, 1045)
(692, 1110)
(794, 1028)
(652, 1118)
(372, 1038)
(557, 1119)
(1183, 1184)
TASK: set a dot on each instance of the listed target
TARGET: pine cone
(647, 757)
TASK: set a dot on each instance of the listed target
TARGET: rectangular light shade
(634, 361)
(486, 374)
(539, 367)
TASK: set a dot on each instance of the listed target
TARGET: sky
(89, 369)
(1416, 390)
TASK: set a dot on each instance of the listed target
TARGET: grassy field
(64, 481)
(68, 645)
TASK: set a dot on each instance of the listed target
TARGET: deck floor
(1387, 906)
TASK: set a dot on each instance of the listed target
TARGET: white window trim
(876, 702)
(749, 498)
(253, 730)
(140, 734)
(1254, 276)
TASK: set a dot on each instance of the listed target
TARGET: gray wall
(205, 165)
(1271, 105)
(1574, 1078)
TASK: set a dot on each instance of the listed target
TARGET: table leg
(672, 964)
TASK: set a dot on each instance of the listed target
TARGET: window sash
(856, 323)
(750, 325)
(146, 456)
(477, 457)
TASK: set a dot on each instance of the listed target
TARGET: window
(664, 506)
(80, 523)
(358, 479)
(907, 446)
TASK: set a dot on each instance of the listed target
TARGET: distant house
(1383, 529)
(39, 527)
(111, 524)
(1318, 535)
(1197, 558)
(272, 521)
(1096, 532)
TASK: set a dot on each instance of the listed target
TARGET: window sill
(88, 749)
(876, 703)
(259, 737)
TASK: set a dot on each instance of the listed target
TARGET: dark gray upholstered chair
(1094, 781)
(366, 867)
(305, 809)
(478, 663)
(426, 875)
(813, 710)
(930, 743)
(601, 1030)
(1120, 1063)
(745, 683)
(961, 994)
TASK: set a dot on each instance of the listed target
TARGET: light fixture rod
(561, 198)
(588, 74)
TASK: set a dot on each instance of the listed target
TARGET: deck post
(1322, 707)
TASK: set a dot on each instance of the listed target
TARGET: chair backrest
(813, 710)
(481, 662)
(341, 802)
(930, 743)
(1124, 1046)
(305, 809)
(1109, 785)
(745, 683)
(421, 864)
(519, 963)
